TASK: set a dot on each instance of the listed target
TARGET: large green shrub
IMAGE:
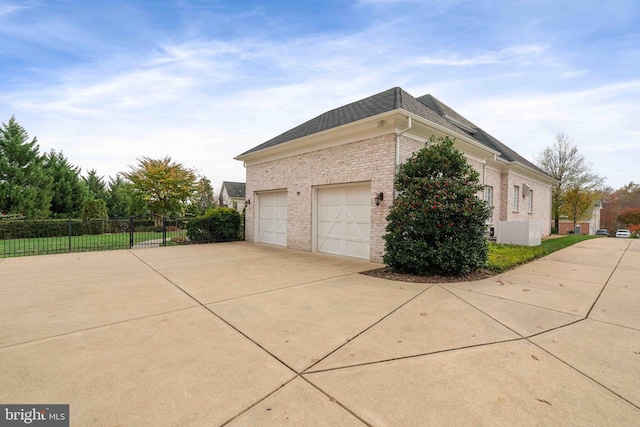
(94, 209)
(217, 225)
(437, 225)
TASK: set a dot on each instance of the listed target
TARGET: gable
(234, 189)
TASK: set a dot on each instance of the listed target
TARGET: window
(516, 197)
(488, 197)
(530, 207)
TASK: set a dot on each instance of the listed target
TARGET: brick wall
(370, 160)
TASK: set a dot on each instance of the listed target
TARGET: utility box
(527, 233)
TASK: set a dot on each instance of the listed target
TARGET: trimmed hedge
(29, 229)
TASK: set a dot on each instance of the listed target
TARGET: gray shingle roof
(479, 134)
(382, 102)
(395, 98)
(235, 189)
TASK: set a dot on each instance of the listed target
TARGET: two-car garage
(341, 219)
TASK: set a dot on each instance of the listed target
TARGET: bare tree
(563, 162)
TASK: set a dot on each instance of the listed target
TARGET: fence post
(131, 224)
(164, 231)
(69, 234)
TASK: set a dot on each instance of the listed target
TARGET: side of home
(327, 184)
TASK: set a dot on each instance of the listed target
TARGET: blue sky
(202, 81)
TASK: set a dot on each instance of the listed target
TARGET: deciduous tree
(578, 202)
(615, 202)
(563, 162)
(161, 186)
(630, 218)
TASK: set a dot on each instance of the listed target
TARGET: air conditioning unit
(528, 233)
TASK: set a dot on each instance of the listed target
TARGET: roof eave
(309, 140)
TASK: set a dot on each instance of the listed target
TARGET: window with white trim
(516, 197)
(488, 197)
(530, 207)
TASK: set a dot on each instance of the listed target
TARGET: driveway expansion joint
(217, 316)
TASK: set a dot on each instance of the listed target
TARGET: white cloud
(514, 54)
(10, 8)
(601, 120)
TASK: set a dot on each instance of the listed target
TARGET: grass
(504, 257)
(56, 245)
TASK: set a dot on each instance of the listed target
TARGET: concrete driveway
(243, 334)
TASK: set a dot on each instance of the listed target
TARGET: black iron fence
(23, 237)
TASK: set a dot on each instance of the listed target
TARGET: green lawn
(93, 242)
(504, 257)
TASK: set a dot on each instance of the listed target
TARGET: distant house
(589, 223)
(232, 195)
(327, 184)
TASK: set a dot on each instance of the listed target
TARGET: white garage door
(273, 218)
(344, 220)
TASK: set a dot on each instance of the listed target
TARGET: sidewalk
(246, 334)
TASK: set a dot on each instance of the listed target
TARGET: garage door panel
(357, 231)
(329, 213)
(356, 195)
(332, 246)
(358, 213)
(331, 229)
(329, 196)
(357, 249)
(344, 220)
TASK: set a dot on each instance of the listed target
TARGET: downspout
(398, 141)
(395, 193)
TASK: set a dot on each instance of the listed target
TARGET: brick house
(327, 184)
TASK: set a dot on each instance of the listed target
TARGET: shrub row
(217, 225)
(28, 229)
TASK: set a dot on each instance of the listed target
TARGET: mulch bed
(389, 274)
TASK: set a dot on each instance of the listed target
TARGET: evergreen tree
(437, 225)
(96, 185)
(117, 199)
(69, 190)
(25, 188)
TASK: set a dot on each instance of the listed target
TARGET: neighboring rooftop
(234, 189)
(426, 106)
